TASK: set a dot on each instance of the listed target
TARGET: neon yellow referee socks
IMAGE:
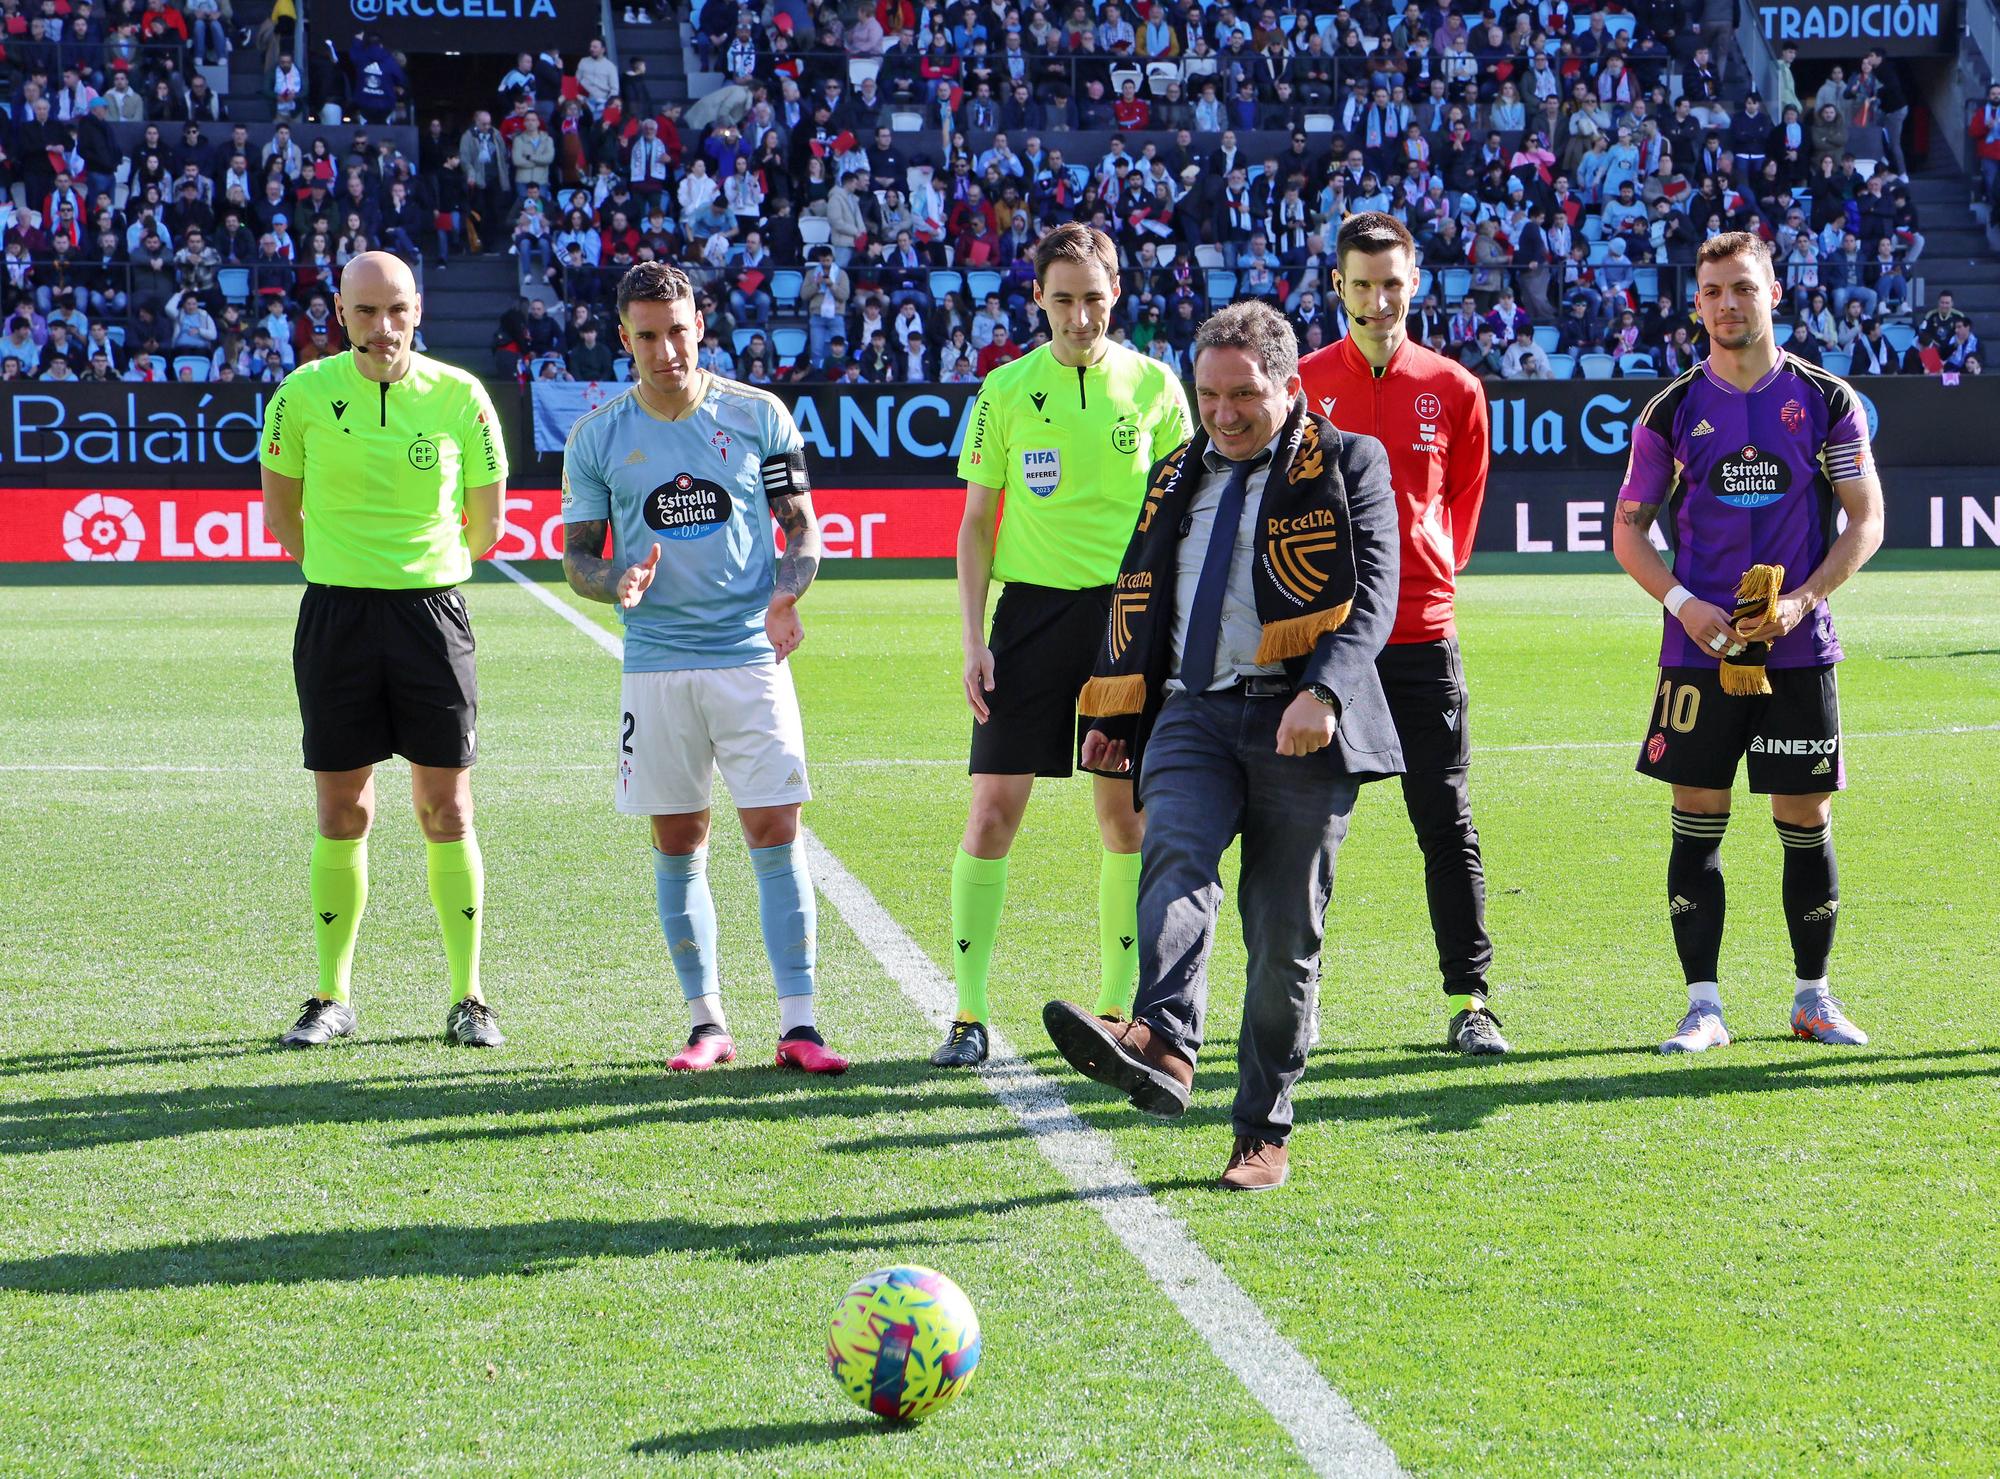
(338, 886)
(1117, 932)
(978, 891)
(458, 893)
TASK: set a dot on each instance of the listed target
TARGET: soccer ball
(904, 1342)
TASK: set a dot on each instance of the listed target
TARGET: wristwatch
(1324, 694)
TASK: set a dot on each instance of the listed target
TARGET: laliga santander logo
(102, 527)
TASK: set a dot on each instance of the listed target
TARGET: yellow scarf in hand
(1756, 603)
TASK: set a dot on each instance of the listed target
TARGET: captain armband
(785, 477)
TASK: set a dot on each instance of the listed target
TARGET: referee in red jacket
(1431, 414)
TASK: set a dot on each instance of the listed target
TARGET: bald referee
(383, 476)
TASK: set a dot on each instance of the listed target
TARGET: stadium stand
(857, 190)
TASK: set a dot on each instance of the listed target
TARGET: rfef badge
(1041, 470)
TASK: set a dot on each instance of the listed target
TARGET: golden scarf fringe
(1743, 681)
(1105, 698)
(1296, 635)
(1757, 595)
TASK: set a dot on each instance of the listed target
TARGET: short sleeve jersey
(385, 468)
(1069, 449)
(699, 487)
(1747, 478)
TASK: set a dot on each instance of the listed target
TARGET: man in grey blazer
(1223, 743)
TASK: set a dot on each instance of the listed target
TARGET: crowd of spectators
(146, 237)
(208, 258)
(860, 198)
(1558, 168)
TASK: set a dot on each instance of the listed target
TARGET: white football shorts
(678, 729)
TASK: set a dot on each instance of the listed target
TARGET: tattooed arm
(800, 561)
(796, 569)
(595, 578)
(1630, 523)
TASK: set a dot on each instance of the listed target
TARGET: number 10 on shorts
(1679, 706)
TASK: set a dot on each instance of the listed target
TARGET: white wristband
(1676, 598)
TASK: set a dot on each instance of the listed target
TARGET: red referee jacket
(1431, 414)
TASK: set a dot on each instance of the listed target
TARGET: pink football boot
(808, 1053)
(704, 1050)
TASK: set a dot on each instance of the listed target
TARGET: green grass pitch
(394, 1258)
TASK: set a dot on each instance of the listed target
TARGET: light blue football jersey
(696, 487)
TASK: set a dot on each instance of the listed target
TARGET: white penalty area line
(1329, 1433)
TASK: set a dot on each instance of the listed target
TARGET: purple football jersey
(1746, 478)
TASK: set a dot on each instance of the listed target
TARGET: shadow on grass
(756, 1437)
(139, 1055)
(1445, 1093)
(504, 1104)
(505, 1250)
(1474, 1090)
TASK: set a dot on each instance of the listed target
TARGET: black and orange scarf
(1303, 574)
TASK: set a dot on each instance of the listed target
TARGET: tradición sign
(1844, 29)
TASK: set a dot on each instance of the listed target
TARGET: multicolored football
(904, 1342)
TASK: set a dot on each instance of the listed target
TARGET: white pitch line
(567, 612)
(1329, 1433)
(501, 767)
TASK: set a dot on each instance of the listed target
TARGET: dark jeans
(488, 202)
(1212, 770)
(1425, 685)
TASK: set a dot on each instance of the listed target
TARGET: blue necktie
(1205, 616)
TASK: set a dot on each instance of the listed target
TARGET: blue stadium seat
(743, 337)
(621, 368)
(1900, 337)
(1548, 336)
(1596, 366)
(1838, 361)
(234, 283)
(785, 285)
(535, 369)
(1454, 283)
(1637, 364)
(1621, 25)
(196, 362)
(1646, 283)
(944, 281)
(116, 334)
(1600, 251)
(1221, 287)
(1562, 366)
(979, 283)
(1593, 227)
(789, 344)
(1423, 284)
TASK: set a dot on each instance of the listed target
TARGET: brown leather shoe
(1129, 1056)
(1254, 1165)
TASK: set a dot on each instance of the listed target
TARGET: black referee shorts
(1044, 644)
(384, 673)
